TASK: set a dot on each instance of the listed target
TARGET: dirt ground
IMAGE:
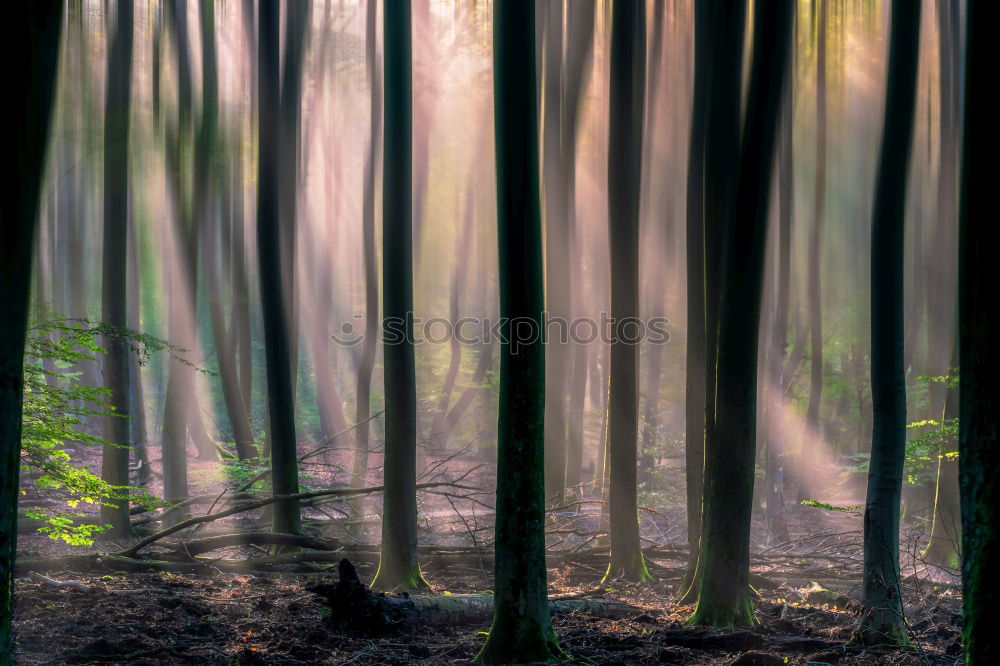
(164, 618)
(809, 589)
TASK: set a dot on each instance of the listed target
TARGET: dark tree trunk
(725, 27)
(724, 589)
(882, 622)
(522, 629)
(398, 563)
(979, 450)
(296, 29)
(271, 240)
(628, 79)
(114, 300)
(33, 32)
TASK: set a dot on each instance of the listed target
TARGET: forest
(499, 332)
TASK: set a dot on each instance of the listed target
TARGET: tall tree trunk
(362, 411)
(289, 130)
(556, 251)
(522, 628)
(114, 301)
(979, 449)
(724, 55)
(33, 29)
(208, 174)
(579, 55)
(774, 464)
(724, 589)
(272, 251)
(398, 562)
(660, 250)
(812, 437)
(137, 406)
(628, 79)
(695, 383)
(882, 622)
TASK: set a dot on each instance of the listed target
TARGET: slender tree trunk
(522, 628)
(137, 406)
(363, 407)
(33, 32)
(439, 427)
(556, 251)
(695, 386)
(579, 53)
(289, 128)
(475, 388)
(398, 562)
(271, 249)
(208, 174)
(114, 310)
(946, 521)
(774, 465)
(724, 596)
(660, 252)
(882, 622)
(628, 78)
(979, 450)
(812, 438)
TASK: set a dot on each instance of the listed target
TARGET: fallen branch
(208, 544)
(132, 551)
(58, 584)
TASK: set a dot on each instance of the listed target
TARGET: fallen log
(355, 607)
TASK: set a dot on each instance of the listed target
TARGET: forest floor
(809, 588)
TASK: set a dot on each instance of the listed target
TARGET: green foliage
(57, 408)
(938, 439)
(934, 439)
(829, 507)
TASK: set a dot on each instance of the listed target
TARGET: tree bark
(882, 622)
(628, 75)
(398, 563)
(33, 31)
(272, 238)
(724, 590)
(724, 63)
(114, 301)
(979, 450)
(522, 628)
